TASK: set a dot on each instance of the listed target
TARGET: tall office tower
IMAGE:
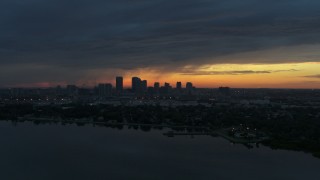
(156, 87)
(136, 84)
(144, 86)
(189, 87)
(179, 86)
(166, 89)
(119, 84)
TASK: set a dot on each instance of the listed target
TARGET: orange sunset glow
(289, 75)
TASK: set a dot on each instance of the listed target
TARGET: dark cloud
(287, 70)
(242, 72)
(313, 76)
(225, 72)
(82, 35)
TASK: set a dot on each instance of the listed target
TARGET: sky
(247, 43)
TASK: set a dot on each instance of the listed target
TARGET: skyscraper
(156, 85)
(144, 86)
(119, 84)
(166, 89)
(179, 86)
(189, 87)
(136, 84)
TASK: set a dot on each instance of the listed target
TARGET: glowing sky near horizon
(293, 75)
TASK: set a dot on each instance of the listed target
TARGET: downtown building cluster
(139, 88)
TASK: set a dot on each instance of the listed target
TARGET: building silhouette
(189, 87)
(119, 84)
(136, 84)
(144, 86)
(224, 90)
(156, 87)
(179, 86)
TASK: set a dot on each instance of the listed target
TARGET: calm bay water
(51, 152)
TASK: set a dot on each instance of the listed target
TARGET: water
(51, 152)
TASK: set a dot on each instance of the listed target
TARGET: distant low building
(224, 90)
(72, 90)
(105, 90)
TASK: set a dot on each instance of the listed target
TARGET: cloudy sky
(247, 43)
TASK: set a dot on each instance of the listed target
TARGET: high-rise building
(166, 88)
(144, 86)
(189, 87)
(136, 84)
(179, 86)
(156, 85)
(119, 84)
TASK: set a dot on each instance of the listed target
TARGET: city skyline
(126, 83)
(252, 44)
(136, 82)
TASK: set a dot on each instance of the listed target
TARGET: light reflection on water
(45, 152)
